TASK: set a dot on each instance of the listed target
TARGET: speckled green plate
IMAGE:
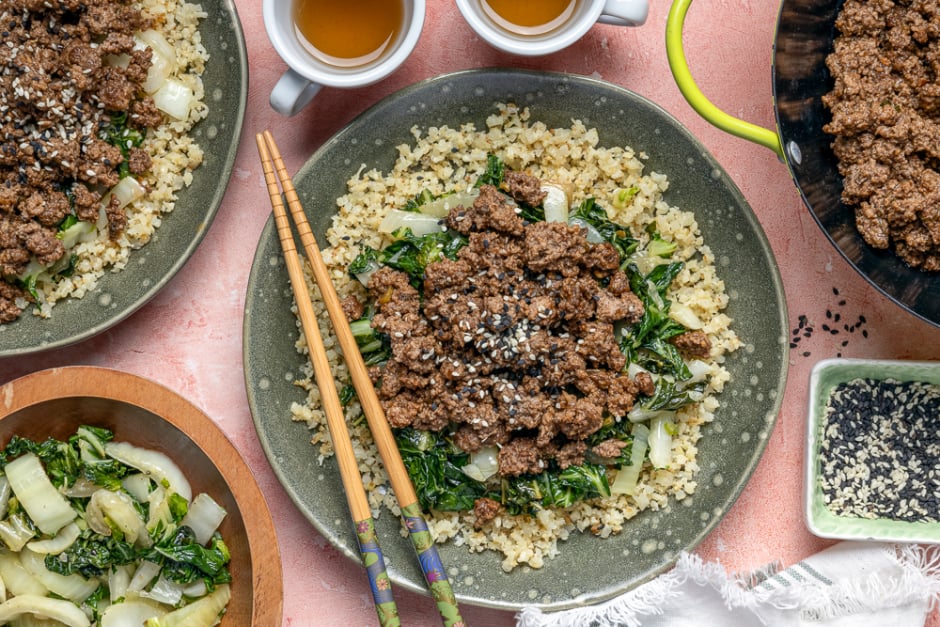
(588, 569)
(826, 375)
(119, 294)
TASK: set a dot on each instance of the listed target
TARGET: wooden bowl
(55, 402)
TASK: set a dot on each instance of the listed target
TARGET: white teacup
(563, 32)
(306, 73)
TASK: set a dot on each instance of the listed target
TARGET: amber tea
(529, 17)
(348, 33)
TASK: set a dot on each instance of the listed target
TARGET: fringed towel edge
(918, 580)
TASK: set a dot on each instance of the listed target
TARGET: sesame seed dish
(872, 450)
(96, 107)
(881, 452)
(537, 398)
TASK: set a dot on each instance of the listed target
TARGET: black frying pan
(805, 30)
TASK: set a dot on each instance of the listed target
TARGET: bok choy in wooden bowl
(123, 504)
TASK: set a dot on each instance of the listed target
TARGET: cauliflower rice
(174, 154)
(444, 159)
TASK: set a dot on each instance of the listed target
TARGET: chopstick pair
(371, 553)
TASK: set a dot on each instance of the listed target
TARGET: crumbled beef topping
(693, 344)
(485, 510)
(609, 449)
(352, 308)
(885, 106)
(524, 188)
(57, 92)
(512, 343)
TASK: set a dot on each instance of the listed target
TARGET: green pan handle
(701, 104)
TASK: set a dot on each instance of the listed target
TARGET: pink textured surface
(189, 337)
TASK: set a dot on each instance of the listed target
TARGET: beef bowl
(62, 403)
(805, 33)
(500, 113)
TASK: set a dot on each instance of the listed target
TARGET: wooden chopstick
(369, 549)
(417, 526)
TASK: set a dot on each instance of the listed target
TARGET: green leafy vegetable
(185, 561)
(646, 342)
(29, 284)
(374, 346)
(91, 555)
(434, 466)
(118, 134)
(670, 397)
(412, 254)
(421, 198)
(61, 461)
(346, 395)
(100, 546)
(559, 488)
(493, 174)
(364, 261)
(618, 236)
(657, 246)
(68, 221)
(623, 196)
(178, 506)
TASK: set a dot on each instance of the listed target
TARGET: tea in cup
(338, 43)
(538, 27)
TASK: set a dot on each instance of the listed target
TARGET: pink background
(729, 45)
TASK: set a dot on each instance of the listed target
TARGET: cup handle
(292, 93)
(625, 12)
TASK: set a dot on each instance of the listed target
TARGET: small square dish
(872, 460)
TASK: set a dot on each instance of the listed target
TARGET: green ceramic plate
(120, 294)
(588, 569)
(826, 375)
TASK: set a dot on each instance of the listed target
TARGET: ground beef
(885, 106)
(352, 308)
(571, 454)
(144, 113)
(609, 449)
(490, 211)
(138, 161)
(520, 457)
(10, 295)
(645, 384)
(57, 93)
(548, 244)
(512, 343)
(524, 188)
(693, 344)
(485, 510)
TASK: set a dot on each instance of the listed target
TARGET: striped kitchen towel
(851, 584)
